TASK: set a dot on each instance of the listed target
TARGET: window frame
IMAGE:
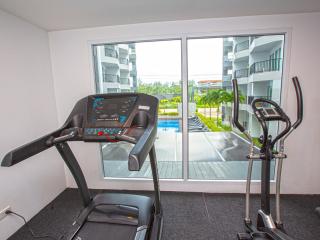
(186, 184)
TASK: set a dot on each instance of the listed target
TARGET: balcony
(241, 51)
(110, 57)
(227, 78)
(132, 56)
(266, 66)
(123, 49)
(227, 42)
(241, 46)
(110, 52)
(110, 78)
(265, 43)
(227, 64)
(125, 81)
(252, 38)
(241, 73)
(124, 61)
(125, 84)
(124, 64)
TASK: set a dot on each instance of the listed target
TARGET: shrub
(168, 113)
(210, 123)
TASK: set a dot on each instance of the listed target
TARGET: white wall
(73, 79)
(28, 111)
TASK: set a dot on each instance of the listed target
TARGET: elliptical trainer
(266, 111)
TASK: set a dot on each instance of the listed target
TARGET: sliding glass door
(216, 150)
(199, 117)
(152, 68)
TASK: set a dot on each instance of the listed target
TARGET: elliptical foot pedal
(244, 236)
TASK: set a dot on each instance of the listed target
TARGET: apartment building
(256, 61)
(115, 64)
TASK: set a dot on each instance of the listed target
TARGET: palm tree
(216, 97)
(213, 98)
(204, 100)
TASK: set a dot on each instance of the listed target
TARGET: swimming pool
(169, 125)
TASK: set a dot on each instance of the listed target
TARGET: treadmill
(129, 117)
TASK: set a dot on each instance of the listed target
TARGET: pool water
(171, 125)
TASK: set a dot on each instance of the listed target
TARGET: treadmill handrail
(28, 150)
(73, 132)
(136, 157)
(142, 148)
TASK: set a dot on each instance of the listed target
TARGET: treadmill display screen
(110, 112)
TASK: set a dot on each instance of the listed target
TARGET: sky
(161, 60)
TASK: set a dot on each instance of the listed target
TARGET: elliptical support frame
(266, 228)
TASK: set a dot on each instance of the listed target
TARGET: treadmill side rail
(28, 150)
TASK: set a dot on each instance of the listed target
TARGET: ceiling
(68, 14)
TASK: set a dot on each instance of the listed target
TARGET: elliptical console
(266, 111)
(129, 117)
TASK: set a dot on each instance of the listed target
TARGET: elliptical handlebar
(236, 101)
(297, 88)
(288, 129)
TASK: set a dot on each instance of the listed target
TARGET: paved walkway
(212, 155)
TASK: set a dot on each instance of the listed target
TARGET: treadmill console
(107, 116)
(109, 112)
(110, 116)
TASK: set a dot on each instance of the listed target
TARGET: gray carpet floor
(188, 216)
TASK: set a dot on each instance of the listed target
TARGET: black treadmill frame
(71, 132)
(75, 169)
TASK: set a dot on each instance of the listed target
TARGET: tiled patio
(212, 155)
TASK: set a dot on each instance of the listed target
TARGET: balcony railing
(123, 61)
(241, 73)
(242, 46)
(125, 81)
(266, 66)
(111, 78)
(110, 52)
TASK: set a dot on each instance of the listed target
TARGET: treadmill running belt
(106, 231)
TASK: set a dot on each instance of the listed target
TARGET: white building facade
(115, 66)
(256, 62)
